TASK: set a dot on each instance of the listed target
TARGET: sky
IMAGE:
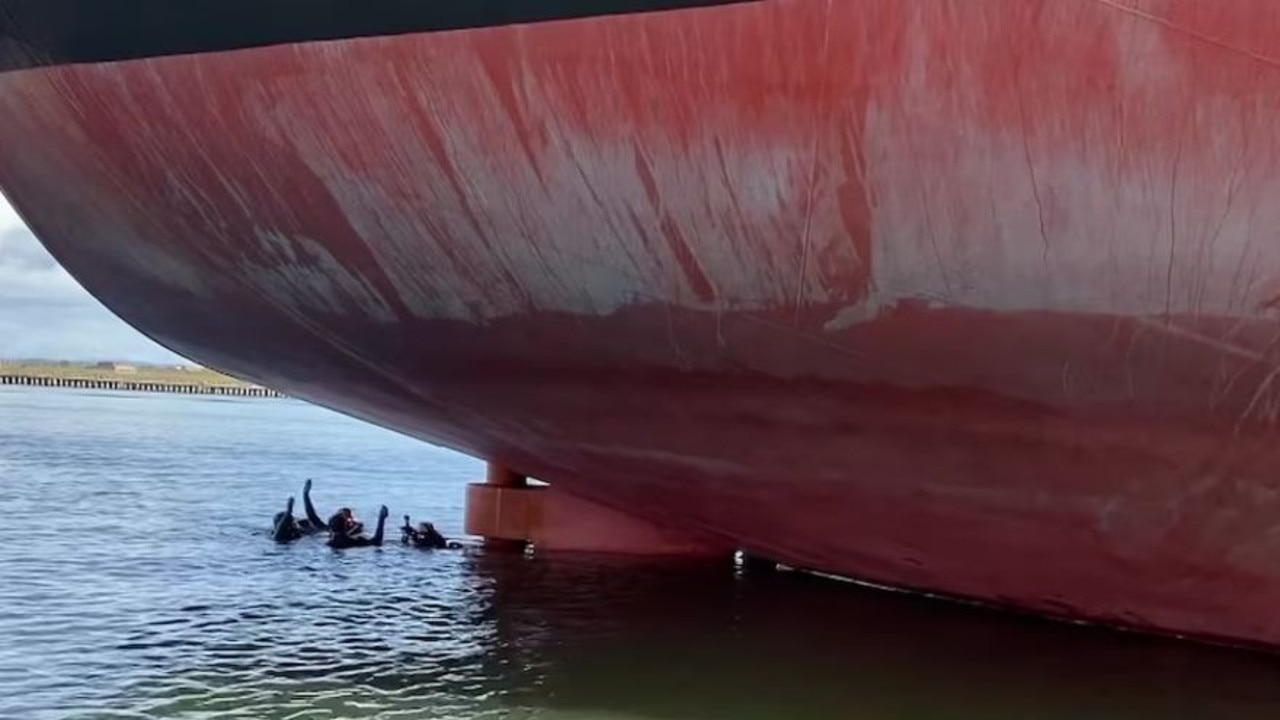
(44, 313)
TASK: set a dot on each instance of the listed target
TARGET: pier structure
(128, 385)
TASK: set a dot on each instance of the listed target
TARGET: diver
(284, 528)
(425, 536)
(345, 522)
(345, 531)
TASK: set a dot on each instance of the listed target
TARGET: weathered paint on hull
(976, 297)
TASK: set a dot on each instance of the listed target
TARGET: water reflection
(591, 639)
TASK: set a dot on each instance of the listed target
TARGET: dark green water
(138, 582)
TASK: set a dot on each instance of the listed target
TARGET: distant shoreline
(128, 378)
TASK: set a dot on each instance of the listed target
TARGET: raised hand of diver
(314, 523)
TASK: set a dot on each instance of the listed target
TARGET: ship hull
(975, 298)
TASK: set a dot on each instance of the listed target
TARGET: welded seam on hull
(825, 104)
(1174, 27)
(1031, 169)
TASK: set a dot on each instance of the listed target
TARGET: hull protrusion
(509, 513)
(503, 509)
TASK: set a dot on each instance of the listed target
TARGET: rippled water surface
(137, 581)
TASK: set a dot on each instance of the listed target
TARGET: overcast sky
(46, 314)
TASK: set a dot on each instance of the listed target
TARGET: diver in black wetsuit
(344, 530)
(345, 522)
(425, 536)
(285, 528)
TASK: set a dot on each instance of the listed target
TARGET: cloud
(44, 313)
(8, 216)
(29, 272)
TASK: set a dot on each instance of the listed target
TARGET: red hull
(976, 297)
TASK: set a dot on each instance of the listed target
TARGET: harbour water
(138, 582)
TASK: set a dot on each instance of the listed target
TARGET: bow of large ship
(972, 297)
